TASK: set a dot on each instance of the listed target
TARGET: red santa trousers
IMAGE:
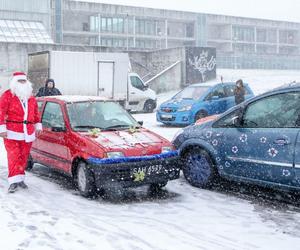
(17, 155)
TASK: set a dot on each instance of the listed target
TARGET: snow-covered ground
(51, 214)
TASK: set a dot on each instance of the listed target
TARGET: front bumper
(176, 118)
(135, 171)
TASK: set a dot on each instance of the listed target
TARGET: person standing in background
(49, 89)
(239, 92)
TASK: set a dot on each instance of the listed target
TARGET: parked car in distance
(257, 142)
(197, 101)
(100, 145)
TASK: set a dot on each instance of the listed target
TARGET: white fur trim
(20, 136)
(38, 126)
(16, 179)
(3, 128)
(19, 77)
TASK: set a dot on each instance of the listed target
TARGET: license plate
(166, 116)
(139, 173)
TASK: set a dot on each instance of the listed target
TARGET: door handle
(132, 93)
(282, 141)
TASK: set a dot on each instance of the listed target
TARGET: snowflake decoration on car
(235, 149)
(272, 152)
(227, 164)
(208, 134)
(221, 167)
(243, 138)
(263, 140)
(218, 159)
(215, 143)
(286, 173)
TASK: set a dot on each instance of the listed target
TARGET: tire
(198, 168)
(200, 114)
(149, 106)
(29, 164)
(85, 180)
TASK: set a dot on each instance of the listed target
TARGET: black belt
(24, 122)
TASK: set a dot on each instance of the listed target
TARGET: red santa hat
(19, 76)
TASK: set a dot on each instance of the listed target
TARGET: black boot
(22, 185)
(13, 187)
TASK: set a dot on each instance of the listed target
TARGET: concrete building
(240, 42)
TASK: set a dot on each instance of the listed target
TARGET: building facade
(240, 42)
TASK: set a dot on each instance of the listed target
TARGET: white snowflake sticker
(208, 134)
(215, 142)
(263, 140)
(221, 167)
(227, 164)
(272, 152)
(218, 159)
(235, 149)
(286, 173)
(243, 138)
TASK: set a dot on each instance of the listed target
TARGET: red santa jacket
(19, 119)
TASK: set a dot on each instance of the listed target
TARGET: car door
(51, 144)
(262, 147)
(136, 90)
(229, 93)
(216, 101)
(297, 156)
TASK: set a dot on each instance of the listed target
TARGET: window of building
(189, 30)
(261, 35)
(23, 31)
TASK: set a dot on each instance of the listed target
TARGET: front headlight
(185, 108)
(166, 149)
(114, 154)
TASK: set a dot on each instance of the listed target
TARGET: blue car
(197, 101)
(257, 142)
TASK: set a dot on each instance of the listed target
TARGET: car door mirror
(141, 123)
(58, 129)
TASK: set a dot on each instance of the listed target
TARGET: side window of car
(229, 90)
(53, 116)
(219, 92)
(40, 105)
(228, 120)
(137, 83)
(277, 111)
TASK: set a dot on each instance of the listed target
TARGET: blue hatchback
(257, 141)
(197, 101)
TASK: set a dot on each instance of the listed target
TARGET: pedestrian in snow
(19, 119)
(49, 89)
(239, 92)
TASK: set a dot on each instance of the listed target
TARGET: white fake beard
(21, 90)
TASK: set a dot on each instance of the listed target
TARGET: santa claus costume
(19, 118)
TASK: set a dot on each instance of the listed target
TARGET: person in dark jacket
(239, 92)
(49, 89)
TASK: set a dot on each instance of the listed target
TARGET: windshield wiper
(115, 127)
(87, 126)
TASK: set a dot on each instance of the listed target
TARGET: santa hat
(19, 76)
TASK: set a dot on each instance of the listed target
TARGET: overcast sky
(287, 10)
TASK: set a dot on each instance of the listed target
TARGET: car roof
(288, 86)
(211, 84)
(74, 98)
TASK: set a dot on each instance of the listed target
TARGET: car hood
(125, 139)
(177, 103)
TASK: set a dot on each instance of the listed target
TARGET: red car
(100, 145)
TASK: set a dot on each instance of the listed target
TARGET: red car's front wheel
(85, 180)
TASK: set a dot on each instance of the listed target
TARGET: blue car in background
(257, 141)
(197, 101)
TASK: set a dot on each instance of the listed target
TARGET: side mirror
(141, 123)
(146, 87)
(58, 129)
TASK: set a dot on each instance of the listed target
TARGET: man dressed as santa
(19, 119)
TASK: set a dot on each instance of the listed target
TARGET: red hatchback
(100, 145)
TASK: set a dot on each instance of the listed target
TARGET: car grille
(168, 110)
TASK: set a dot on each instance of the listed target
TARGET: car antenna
(222, 79)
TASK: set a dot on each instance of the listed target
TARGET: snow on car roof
(208, 84)
(79, 98)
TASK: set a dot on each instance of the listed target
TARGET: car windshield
(192, 92)
(98, 114)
